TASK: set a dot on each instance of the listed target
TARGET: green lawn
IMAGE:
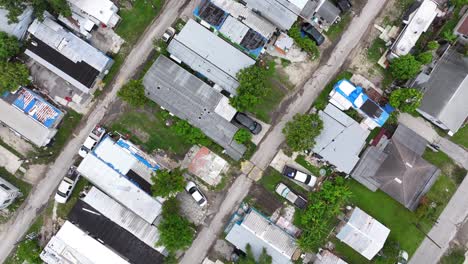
(272, 177)
(335, 30)
(150, 132)
(133, 24)
(454, 256)
(322, 99)
(461, 137)
(446, 165)
(376, 50)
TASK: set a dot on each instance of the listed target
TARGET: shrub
(406, 99)
(252, 88)
(242, 136)
(304, 43)
(405, 67)
(425, 57)
(302, 130)
(133, 93)
(167, 183)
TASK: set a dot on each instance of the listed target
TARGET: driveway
(300, 102)
(16, 228)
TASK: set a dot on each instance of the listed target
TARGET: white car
(299, 176)
(91, 141)
(193, 190)
(67, 185)
(168, 34)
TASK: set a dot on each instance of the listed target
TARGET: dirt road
(300, 102)
(18, 226)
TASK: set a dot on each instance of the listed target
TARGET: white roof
(103, 10)
(225, 109)
(299, 3)
(121, 160)
(364, 234)
(72, 245)
(341, 139)
(419, 22)
(16, 29)
(123, 217)
(234, 29)
(260, 233)
(67, 44)
(103, 176)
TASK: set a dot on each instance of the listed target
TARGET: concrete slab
(246, 167)
(106, 40)
(282, 159)
(256, 174)
(265, 127)
(206, 165)
(15, 141)
(35, 173)
(9, 160)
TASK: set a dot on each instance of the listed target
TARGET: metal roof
(6, 193)
(25, 125)
(364, 234)
(341, 139)
(419, 22)
(119, 187)
(446, 91)
(247, 16)
(125, 218)
(326, 257)
(189, 98)
(279, 12)
(72, 245)
(208, 54)
(104, 11)
(260, 233)
(328, 11)
(19, 28)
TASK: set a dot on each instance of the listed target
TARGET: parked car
(295, 199)
(196, 194)
(168, 34)
(299, 176)
(344, 5)
(253, 126)
(91, 141)
(313, 33)
(403, 257)
(67, 185)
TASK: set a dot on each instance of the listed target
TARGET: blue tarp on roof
(138, 154)
(36, 107)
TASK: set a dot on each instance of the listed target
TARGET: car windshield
(201, 201)
(192, 190)
(307, 179)
(64, 195)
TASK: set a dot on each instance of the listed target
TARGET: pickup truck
(67, 185)
(289, 195)
(92, 140)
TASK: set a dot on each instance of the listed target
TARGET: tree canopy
(304, 43)
(405, 67)
(16, 7)
(432, 45)
(133, 93)
(167, 183)
(302, 130)
(242, 136)
(13, 75)
(191, 134)
(175, 231)
(9, 46)
(406, 99)
(425, 57)
(253, 86)
(249, 257)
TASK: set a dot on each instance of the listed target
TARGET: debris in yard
(203, 163)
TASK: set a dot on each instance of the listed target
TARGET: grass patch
(454, 256)
(133, 24)
(150, 132)
(23, 186)
(11, 149)
(461, 137)
(376, 50)
(64, 209)
(446, 165)
(335, 30)
(313, 169)
(322, 99)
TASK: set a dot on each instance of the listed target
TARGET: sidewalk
(424, 129)
(446, 228)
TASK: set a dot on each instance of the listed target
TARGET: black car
(247, 122)
(313, 33)
(344, 5)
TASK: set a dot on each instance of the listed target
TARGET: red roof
(463, 26)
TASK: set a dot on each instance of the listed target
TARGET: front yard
(461, 137)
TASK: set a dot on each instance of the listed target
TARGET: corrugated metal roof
(279, 12)
(364, 234)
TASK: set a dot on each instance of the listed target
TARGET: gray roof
(341, 139)
(364, 234)
(208, 54)
(398, 168)
(259, 233)
(328, 11)
(16, 29)
(446, 91)
(189, 98)
(24, 125)
(279, 12)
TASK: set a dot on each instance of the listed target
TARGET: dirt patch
(263, 200)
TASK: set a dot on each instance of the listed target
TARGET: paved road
(17, 227)
(446, 228)
(318, 81)
(299, 104)
(424, 129)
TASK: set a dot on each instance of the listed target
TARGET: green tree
(302, 130)
(13, 75)
(167, 183)
(252, 88)
(425, 57)
(304, 43)
(432, 45)
(249, 257)
(61, 7)
(133, 93)
(191, 134)
(175, 231)
(16, 7)
(28, 251)
(242, 136)
(405, 67)
(9, 46)
(406, 99)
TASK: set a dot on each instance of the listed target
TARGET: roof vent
(398, 180)
(409, 165)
